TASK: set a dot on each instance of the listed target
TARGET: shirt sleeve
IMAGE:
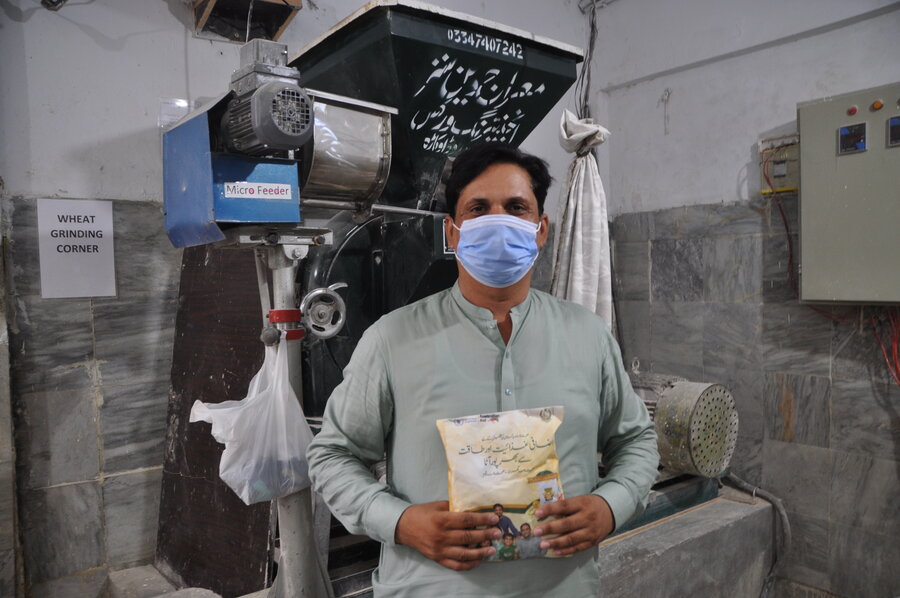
(627, 440)
(357, 420)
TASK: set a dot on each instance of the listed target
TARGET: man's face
(500, 189)
(526, 530)
(498, 511)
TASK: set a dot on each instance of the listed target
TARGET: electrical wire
(768, 155)
(782, 544)
(249, 16)
(892, 317)
(889, 319)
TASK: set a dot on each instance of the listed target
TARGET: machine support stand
(301, 570)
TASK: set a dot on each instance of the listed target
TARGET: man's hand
(446, 537)
(583, 523)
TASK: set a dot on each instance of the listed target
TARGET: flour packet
(505, 463)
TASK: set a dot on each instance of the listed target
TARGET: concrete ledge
(722, 548)
(147, 582)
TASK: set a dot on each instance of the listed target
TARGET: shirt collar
(484, 316)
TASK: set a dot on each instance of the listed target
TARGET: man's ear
(450, 232)
(544, 233)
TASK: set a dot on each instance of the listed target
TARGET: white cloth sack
(581, 257)
(265, 434)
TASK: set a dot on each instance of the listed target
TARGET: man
(504, 523)
(488, 344)
(529, 546)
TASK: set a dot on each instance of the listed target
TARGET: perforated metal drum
(697, 425)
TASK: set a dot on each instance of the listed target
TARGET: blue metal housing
(195, 177)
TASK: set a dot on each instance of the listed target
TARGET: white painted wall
(736, 71)
(80, 88)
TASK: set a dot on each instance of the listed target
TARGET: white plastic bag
(265, 434)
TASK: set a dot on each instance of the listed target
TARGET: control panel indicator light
(877, 105)
(852, 110)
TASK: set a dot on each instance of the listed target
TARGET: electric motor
(696, 422)
(277, 116)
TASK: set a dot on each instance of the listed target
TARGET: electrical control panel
(850, 197)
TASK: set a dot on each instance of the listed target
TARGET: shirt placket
(508, 398)
(508, 395)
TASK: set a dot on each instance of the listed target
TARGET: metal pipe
(301, 571)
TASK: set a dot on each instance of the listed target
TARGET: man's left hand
(583, 522)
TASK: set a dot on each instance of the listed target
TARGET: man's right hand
(446, 537)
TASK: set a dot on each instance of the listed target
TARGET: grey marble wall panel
(676, 269)
(799, 475)
(798, 408)
(738, 218)
(88, 584)
(135, 336)
(864, 564)
(864, 493)
(747, 460)
(6, 425)
(776, 286)
(731, 336)
(785, 588)
(711, 220)
(688, 222)
(809, 559)
(51, 344)
(634, 324)
(795, 339)
(145, 259)
(732, 270)
(7, 507)
(64, 531)
(133, 419)
(632, 271)
(866, 418)
(637, 226)
(676, 339)
(131, 502)
(8, 573)
(747, 388)
(57, 438)
(855, 351)
(20, 227)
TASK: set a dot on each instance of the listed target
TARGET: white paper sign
(260, 190)
(76, 248)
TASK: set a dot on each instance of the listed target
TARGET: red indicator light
(877, 105)
(852, 110)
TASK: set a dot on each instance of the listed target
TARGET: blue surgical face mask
(497, 250)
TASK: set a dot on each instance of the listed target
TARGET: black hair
(475, 160)
(524, 524)
(508, 536)
(497, 505)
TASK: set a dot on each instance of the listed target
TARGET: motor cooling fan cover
(277, 116)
